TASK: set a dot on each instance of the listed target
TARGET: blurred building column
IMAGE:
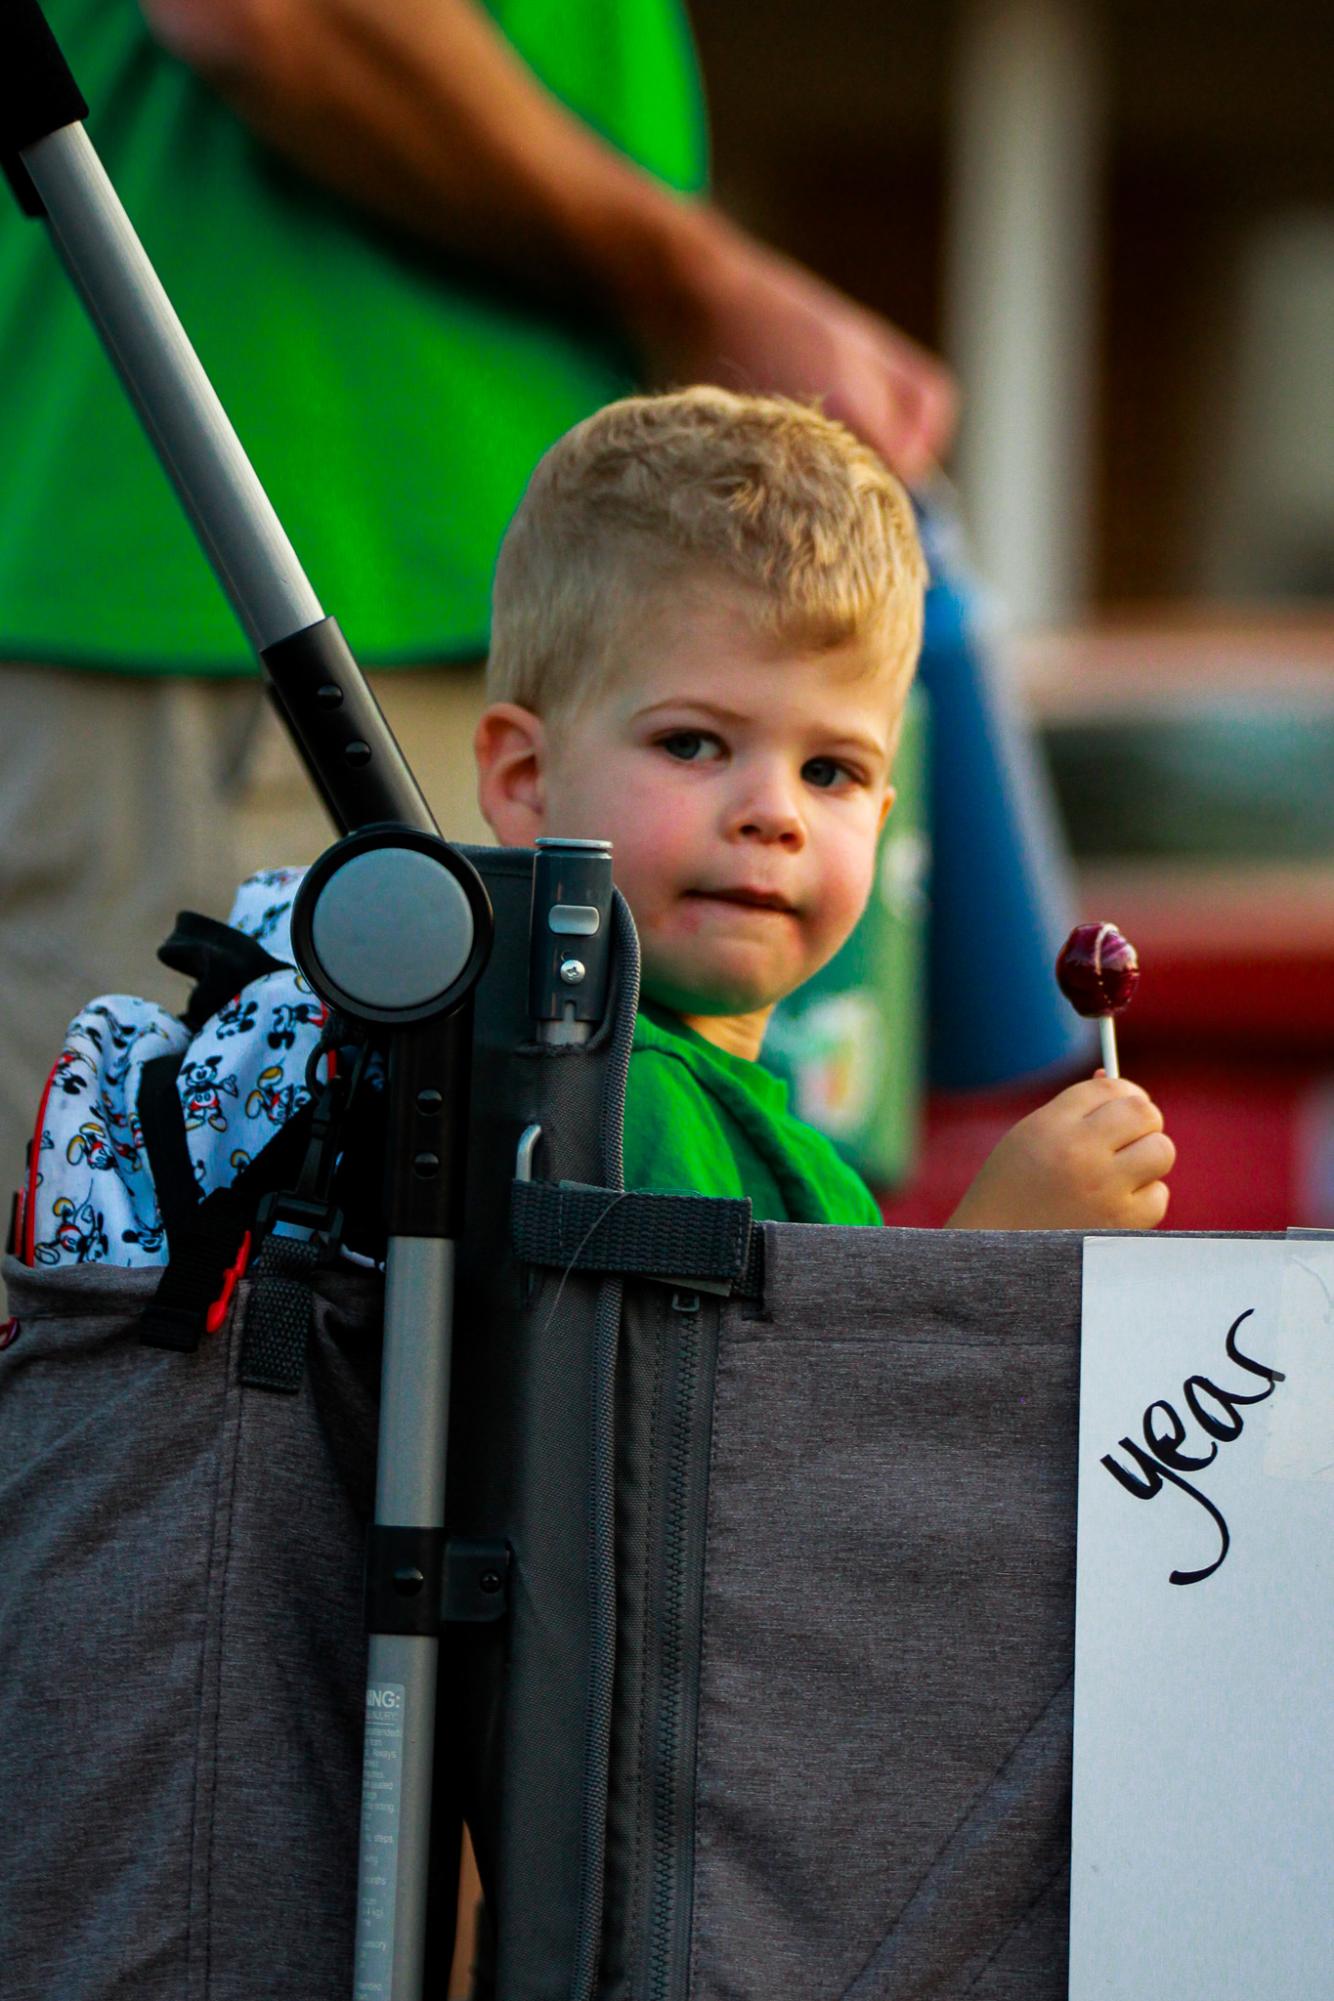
(1266, 528)
(1022, 264)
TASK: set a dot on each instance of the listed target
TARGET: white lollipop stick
(1098, 971)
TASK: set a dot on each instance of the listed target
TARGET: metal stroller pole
(345, 743)
(218, 487)
(428, 904)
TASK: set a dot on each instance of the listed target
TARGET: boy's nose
(769, 812)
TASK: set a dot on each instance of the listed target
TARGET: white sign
(1203, 1837)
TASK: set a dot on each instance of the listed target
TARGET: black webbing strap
(207, 1242)
(708, 1241)
(164, 1142)
(278, 1313)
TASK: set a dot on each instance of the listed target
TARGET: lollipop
(1098, 971)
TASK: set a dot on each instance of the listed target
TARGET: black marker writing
(1217, 1412)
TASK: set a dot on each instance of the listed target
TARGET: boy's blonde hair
(655, 490)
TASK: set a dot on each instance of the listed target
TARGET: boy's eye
(825, 772)
(690, 746)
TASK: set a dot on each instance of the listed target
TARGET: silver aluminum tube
(414, 1382)
(229, 509)
(402, 1669)
(394, 1878)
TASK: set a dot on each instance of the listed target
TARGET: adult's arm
(421, 111)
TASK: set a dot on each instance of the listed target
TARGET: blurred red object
(1232, 1033)
(1255, 1144)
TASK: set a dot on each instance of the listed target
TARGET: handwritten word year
(1217, 1412)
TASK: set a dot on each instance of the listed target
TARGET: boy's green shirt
(700, 1121)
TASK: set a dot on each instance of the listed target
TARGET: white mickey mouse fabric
(89, 1196)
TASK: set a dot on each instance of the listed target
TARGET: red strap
(26, 1249)
(217, 1313)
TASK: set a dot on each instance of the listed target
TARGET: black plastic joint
(428, 1129)
(345, 743)
(477, 1583)
(405, 1570)
(38, 95)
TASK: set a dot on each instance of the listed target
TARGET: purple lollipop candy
(1098, 971)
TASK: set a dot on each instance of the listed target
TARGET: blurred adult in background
(413, 240)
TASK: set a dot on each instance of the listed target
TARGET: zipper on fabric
(602, 1642)
(671, 1677)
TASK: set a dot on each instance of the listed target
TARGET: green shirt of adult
(393, 407)
(700, 1121)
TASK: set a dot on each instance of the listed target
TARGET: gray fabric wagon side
(180, 1710)
(846, 1652)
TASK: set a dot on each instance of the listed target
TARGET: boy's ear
(887, 804)
(510, 748)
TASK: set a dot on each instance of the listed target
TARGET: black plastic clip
(298, 1219)
(295, 1230)
(295, 1233)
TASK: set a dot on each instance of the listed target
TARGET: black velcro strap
(278, 1314)
(708, 1239)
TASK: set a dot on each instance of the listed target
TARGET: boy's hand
(1092, 1159)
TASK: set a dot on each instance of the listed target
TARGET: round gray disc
(392, 928)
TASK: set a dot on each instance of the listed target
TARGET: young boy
(707, 615)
